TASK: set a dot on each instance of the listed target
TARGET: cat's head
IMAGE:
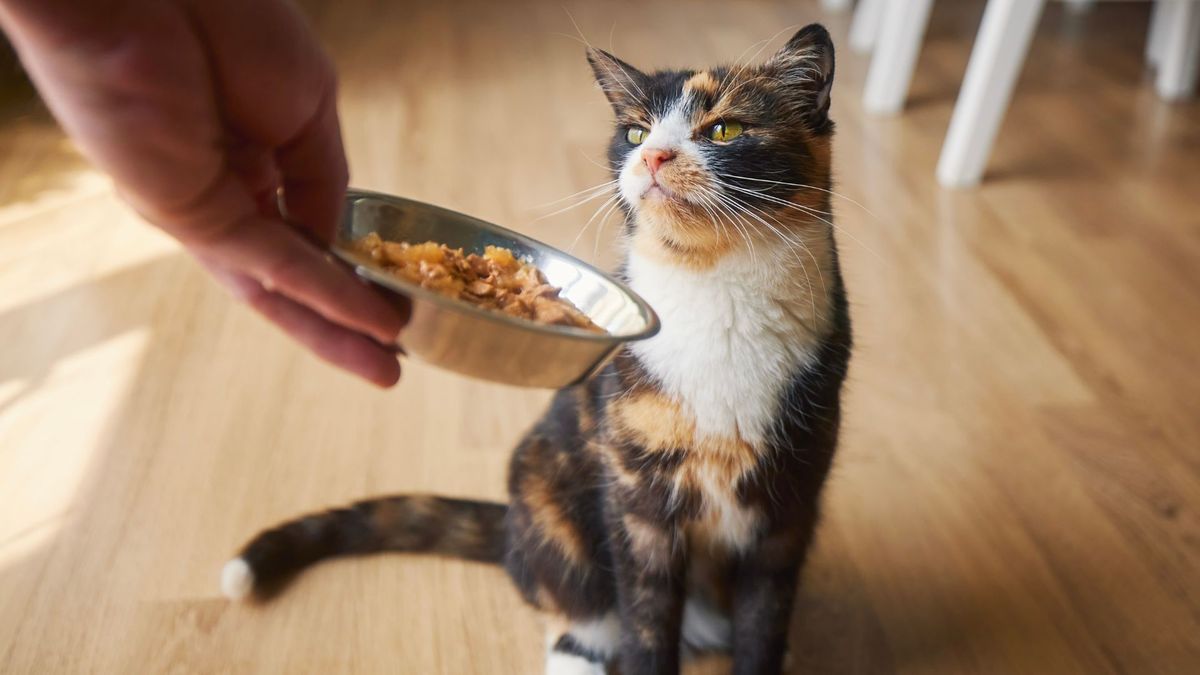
(705, 158)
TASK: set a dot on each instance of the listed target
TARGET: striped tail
(454, 527)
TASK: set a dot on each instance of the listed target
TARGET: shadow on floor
(36, 158)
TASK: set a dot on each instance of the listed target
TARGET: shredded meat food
(496, 280)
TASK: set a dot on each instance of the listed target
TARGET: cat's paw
(705, 629)
(558, 663)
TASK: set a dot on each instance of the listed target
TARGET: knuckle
(279, 271)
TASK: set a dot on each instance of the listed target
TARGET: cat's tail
(421, 524)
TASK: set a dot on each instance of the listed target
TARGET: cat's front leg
(650, 560)
(764, 590)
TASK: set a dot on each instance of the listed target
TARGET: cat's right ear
(805, 64)
(623, 84)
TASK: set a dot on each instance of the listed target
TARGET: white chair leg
(1181, 49)
(895, 55)
(1160, 17)
(996, 60)
(864, 27)
(835, 5)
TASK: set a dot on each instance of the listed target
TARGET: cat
(666, 505)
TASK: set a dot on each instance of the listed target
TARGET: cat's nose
(656, 157)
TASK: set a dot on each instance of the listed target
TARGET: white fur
(237, 579)
(558, 663)
(672, 132)
(732, 336)
(706, 629)
(599, 636)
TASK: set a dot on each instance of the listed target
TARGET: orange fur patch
(650, 543)
(653, 421)
(658, 424)
(463, 535)
(553, 525)
(395, 518)
(667, 248)
(713, 467)
(555, 620)
(703, 83)
(612, 458)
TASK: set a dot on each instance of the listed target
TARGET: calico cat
(667, 504)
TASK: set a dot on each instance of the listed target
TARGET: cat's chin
(665, 205)
(679, 237)
(657, 193)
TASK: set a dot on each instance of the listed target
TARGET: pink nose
(654, 158)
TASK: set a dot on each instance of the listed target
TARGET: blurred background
(1019, 479)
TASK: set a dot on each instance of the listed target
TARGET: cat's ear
(623, 84)
(805, 64)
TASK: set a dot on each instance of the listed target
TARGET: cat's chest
(730, 342)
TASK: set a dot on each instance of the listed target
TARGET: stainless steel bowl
(458, 336)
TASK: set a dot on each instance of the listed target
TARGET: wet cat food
(496, 280)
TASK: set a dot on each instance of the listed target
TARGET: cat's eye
(635, 135)
(725, 131)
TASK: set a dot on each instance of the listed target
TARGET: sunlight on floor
(46, 451)
(59, 248)
(74, 187)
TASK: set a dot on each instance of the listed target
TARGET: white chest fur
(731, 337)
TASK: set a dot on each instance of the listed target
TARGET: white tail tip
(237, 579)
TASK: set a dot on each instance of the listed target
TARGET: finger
(340, 347)
(256, 169)
(280, 260)
(314, 172)
(268, 46)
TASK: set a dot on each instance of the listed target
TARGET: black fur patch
(567, 644)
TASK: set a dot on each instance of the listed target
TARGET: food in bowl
(496, 280)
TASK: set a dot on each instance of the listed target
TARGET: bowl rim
(366, 268)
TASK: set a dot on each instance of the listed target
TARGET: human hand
(201, 110)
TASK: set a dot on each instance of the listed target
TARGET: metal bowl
(481, 343)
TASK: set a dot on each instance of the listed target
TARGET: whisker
(571, 206)
(811, 212)
(769, 41)
(609, 167)
(642, 94)
(600, 229)
(743, 231)
(766, 195)
(780, 200)
(805, 187)
(569, 37)
(602, 186)
(791, 246)
(589, 221)
(706, 204)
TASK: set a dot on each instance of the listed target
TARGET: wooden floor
(1018, 489)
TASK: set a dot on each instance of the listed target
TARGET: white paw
(237, 579)
(558, 663)
(706, 629)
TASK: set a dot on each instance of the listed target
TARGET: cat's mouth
(658, 192)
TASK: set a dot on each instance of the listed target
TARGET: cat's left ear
(623, 84)
(805, 64)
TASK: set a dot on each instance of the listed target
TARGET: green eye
(725, 131)
(635, 135)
